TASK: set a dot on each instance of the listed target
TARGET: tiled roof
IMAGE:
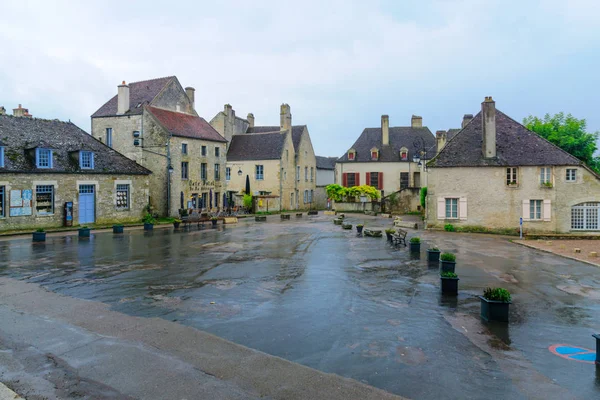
(140, 94)
(451, 133)
(263, 129)
(297, 135)
(515, 146)
(257, 146)
(186, 125)
(414, 139)
(326, 162)
(20, 134)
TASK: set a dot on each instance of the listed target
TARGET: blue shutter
(92, 160)
(50, 159)
(1, 156)
(37, 158)
(80, 159)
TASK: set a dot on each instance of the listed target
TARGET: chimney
(466, 119)
(122, 99)
(285, 118)
(441, 137)
(2, 110)
(385, 130)
(488, 122)
(190, 91)
(21, 112)
(250, 119)
(416, 122)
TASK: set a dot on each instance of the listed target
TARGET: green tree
(568, 133)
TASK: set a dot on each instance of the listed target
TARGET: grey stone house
(47, 163)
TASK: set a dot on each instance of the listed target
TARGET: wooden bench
(196, 218)
(399, 237)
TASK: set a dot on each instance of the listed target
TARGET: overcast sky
(339, 64)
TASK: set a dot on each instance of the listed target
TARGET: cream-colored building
(389, 159)
(495, 171)
(276, 160)
(155, 123)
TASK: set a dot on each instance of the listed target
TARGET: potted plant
(84, 232)
(213, 221)
(494, 304)
(39, 235)
(346, 226)
(338, 221)
(149, 222)
(389, 233)
(183, 212)
(359, 228)
(449, 282)
(433, 254)
(448, 261)
(415, 244)
(176, 223)
(118, 228)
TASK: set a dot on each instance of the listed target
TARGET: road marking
(573, 353)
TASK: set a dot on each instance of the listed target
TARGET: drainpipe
(280, 183)
(169, 173)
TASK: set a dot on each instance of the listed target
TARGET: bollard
(597, 336)
(577, 250)
(593, 254)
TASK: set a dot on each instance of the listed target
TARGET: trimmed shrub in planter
(39, 235)
(84, 232)
(346, 226)
(433, 254)
(213, 221)
(359, 228)
(260, 218)
(149, 222)
(415, 244)
(118, 228)
(176, 223)
(449, 282)
(448, 262)
(338, 221)
(389, 233)
(495, 304)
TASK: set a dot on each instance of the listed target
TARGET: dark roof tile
(257, 146)
(326, 162)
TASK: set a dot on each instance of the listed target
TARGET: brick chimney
(285, 118)
(21, 112)
(416, 122)
(466, 119)
(250, 119)
(122, 98)
(385, 130)
(488, 122)
(190, 91)
(441, 137)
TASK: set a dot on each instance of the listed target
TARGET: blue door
(87, 209)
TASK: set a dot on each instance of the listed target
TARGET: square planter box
(285, 216)
(39, 236)
(84, 232)
(597, 337)
(214, 222)
(118, 228)
(260, 218)
(433, 256)
(359, 229)
(494, 310)
(448, 266)
(415, 247)
(148, 227)
(449, 285)
(313, 213)
(347, 226)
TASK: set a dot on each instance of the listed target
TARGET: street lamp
(170, 169)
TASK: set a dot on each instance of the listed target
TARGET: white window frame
(312, 173)
(351, 155)
(571, 175)
(123, 188)
(38, 157)
(536, 210)
(545, 175)
(43, 189)
(109, 138)
(82, 156)
(453, 203)
(512, 175)
(227, 173)
(259, 172)
(589, 217)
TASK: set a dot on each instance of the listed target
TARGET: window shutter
(441, 208)
(345, 179)
(368, 179)
(92, 159)
(37, 158)
(547, 210)
(525, 210)
(50, 158)
(357, 177)
(462, 212)
(380, 181)
(80, 158)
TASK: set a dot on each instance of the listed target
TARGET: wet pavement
(310, 292)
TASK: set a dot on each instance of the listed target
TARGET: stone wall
(122, 134)
(306, 160)
(66, 188)
(391, 173)
(320, 198)
(174, 98)
(354, 206)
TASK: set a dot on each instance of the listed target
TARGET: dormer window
(86, 160)
(404, 154)
(43, 158)
(351, 154)
(1, 157)
(374, 154)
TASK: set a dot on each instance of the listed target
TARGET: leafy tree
(568, 133)
(424, 197)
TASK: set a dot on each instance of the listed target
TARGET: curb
(556, 254)
(7, 394)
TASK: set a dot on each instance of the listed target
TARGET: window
(404, 154)
(184, 170)
(287, 154)
(43, 158)
(452, 208)
(584, 216)
(217, 172)
(217, 150)
(203, 171)
(571, 174)
(306, 174)
(535, 209)
(1, 157)
(183, 148)
(373, 179)
(44, 199)
(311, 195)
(204, 150)
(86, 160)
(545, 175)
(306, 196)
(312, 173)
(227, 173)
(404, 180)
(511, 176)
(122, 197)
(2, 202)
(350, 180)
(260, 173)
(217, 197)
(298, 173)
(351, 155)
(109, 137)
(291, 200)
(374, 155)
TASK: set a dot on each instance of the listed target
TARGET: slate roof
(140, 93)
(515, 146)
(256, 146)
(186, 125)
(326, 162)
(21, 134)
(263, 129)
(451, 133)
(402, 136)
(297, 131)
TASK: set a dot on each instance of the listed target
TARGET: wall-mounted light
(170, 169)
(240, 172)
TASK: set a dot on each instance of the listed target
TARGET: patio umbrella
(247, 184)
(210, 198)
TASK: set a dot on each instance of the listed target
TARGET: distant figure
(328, 204)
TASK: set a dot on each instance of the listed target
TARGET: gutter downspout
(169, 167)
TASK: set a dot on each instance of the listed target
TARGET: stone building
(279, 161)
(155, 123)
(390, 159)
(495, 171)
(47, 163)
(325, 176)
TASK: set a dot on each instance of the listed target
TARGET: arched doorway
(584, 216)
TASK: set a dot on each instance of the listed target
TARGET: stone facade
(391, 171)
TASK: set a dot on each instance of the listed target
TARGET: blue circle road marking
(573, 353)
